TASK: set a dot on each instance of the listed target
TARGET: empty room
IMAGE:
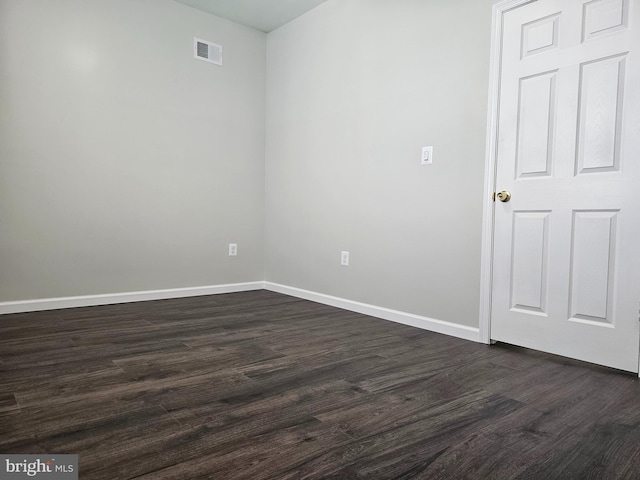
(304, 239)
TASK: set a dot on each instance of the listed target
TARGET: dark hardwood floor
(259, 385)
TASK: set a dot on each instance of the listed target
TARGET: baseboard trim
(425, 323)
(113, 298)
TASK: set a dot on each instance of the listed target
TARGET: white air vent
(207, 51)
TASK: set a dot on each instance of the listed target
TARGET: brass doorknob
(504, 196)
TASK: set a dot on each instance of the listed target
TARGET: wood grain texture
(258, 385)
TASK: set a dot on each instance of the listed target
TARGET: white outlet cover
(344, 258)
(427, 156)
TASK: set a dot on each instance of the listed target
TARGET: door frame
(486, 261)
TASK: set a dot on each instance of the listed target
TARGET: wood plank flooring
(259, 385)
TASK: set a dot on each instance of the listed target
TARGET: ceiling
(265, 15)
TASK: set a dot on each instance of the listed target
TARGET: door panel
(529, 277)
(600, 113)
(537, 111)
(593, 260)
(566, 275)
(601, 17)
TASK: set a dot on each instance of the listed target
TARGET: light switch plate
(427, 155)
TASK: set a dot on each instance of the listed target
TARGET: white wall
(355, 88)
(125, 163)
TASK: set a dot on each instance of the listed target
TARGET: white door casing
(564, 140)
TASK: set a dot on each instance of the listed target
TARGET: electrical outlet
(233, 249)
(344, 258)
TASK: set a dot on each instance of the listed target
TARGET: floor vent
(207, 51)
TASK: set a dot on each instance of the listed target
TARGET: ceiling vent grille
(207, 51)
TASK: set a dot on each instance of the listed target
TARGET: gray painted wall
(355, 88)
(125, 163)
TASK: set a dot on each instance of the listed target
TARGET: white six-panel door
(566, 275)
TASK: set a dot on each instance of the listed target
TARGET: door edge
(486, 260)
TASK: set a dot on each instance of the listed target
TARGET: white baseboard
(113, 298)
(425, 323)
